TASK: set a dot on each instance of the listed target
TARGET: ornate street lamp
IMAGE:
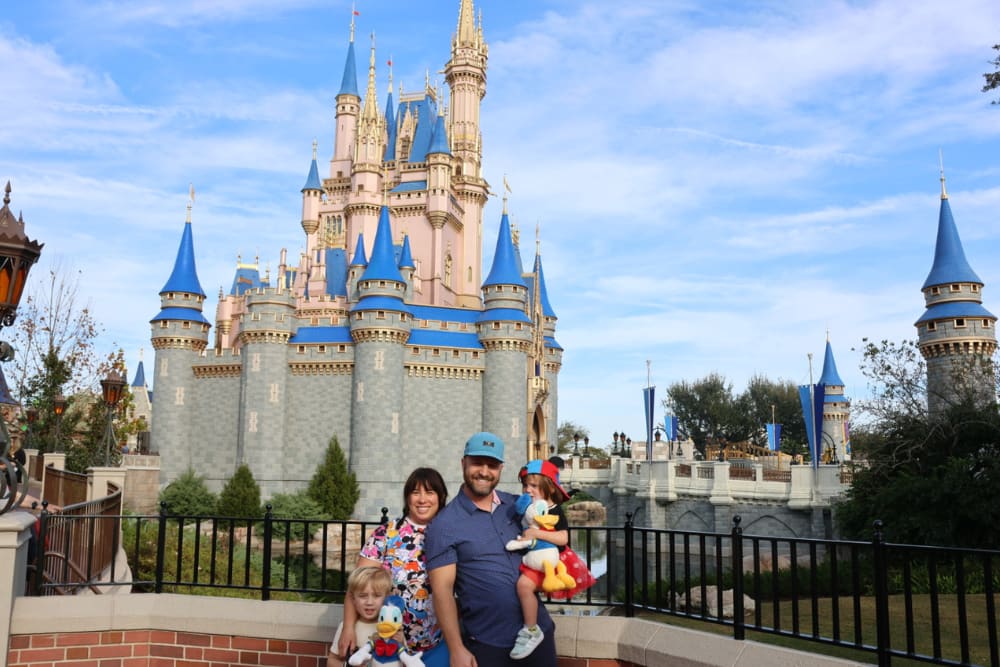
(586, 446)
(576, 444)
(59, 407)
(17, 255)
(111, 390)
(614, 447)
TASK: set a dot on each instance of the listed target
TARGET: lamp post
(111, 391)
(586, 446)
(58, 408)
(614, 446)
(576, 444)
(17, 254)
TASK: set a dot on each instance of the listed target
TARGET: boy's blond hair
(377, 577)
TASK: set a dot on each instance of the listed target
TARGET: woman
(399, 548)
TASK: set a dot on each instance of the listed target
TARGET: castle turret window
(960, 323)
(955, 287)
(932, 326)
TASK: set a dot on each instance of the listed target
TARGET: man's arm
(442, 580)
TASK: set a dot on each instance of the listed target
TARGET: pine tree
(188, 495)
(240, 496)
(333, 486)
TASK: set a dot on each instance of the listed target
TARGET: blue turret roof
(390, 126)
(405, 256)
(546, 306)
(383, 263)
(439, 142)
(423, 112)
(247, 277)
(140, 377)
(312, 180)
(951, 309)
(504, 270)
(184, 277)
(950, 265)
(830, 377)
(360, 259)
(349, 84)
(336, 272)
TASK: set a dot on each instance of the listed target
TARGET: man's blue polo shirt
(486, 572)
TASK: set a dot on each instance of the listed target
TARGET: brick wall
(160, 648)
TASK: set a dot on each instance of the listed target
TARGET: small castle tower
(836, 410)
(956, 334)
(142, 407)
(506, 333)
(179, 333)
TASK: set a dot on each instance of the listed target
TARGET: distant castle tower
(142, 408)
(400, 350)
(836, 409)
(956, 334)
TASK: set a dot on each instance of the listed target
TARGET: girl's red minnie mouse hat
(546, 469)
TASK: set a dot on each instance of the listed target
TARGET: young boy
(367, 587)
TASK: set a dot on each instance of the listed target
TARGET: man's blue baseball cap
(485, 444)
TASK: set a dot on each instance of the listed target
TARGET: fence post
(160, 542)
(739, 629)
(881, 596)
(629, 611)
(265, 584)
(40, 543)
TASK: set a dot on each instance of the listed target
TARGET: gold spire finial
(506, 190)
(389, 63)
(354, 13)
(944, 193)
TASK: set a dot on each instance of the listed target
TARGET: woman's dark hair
(428, 478)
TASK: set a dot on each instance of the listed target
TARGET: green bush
(240, 496)
(290, 512)
(188, 495)
(334, 487)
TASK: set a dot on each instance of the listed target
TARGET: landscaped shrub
(240, 496)
(334, 487)
(290, 512)
(188, 495)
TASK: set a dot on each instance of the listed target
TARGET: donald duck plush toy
(541, 555)
(386, 646)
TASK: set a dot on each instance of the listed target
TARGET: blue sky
(717, 183)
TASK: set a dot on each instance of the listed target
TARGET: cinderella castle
(383, 332)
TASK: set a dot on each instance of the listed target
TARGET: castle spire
(830, 376)
(504, 269)
(184, 277)
(944, 193)
(349, 82)
(466, 33)
(950, 264)
(383, 263)
(370, 110)
(312, 180)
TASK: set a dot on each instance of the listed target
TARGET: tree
(993, 78)
(707, 410)
(334, 487)
(932, 478)
(240, 496)
(759, 397)
(564, 436)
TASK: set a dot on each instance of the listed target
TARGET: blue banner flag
(670, 423)
(647, 399)
(812, 412)
(774, 437)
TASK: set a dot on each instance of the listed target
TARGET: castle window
(314, 321)
(361, 187)
(935, 291)
(454, 353)
(341, 348)
(932, 326)
(955, 287)
(475, 354)
(414, 350)
(301, 349)
(424, 324)
(986, 324)
(444, 325)
(340, 174)
(464, 326)
(436, 352)
(163, 324)
(185, 325)
(496, 325)
(960, 323)
(380, 315)
(381, 283)
(358, 316)
(322, 349)
(975, 287)
(518, 326)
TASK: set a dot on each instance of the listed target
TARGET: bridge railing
(929, 604)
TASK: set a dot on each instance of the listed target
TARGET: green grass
(922, 624)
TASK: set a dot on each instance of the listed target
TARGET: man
(466, 556)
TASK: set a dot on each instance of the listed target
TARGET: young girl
(367, 587)
(540, 480)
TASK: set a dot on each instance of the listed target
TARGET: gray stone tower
(179, 334)
(956, 334)
(836, 410)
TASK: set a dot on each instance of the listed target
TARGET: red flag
(355, 12)
(389, 63)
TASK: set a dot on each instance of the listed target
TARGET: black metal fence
(926, 604)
